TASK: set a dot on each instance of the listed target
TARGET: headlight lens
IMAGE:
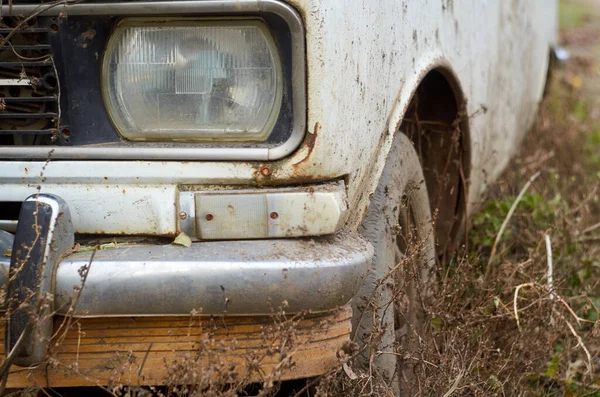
(190, 80)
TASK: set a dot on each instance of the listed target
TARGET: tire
(390, 313)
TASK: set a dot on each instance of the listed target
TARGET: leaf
(558, 348)
(488, 309)
(576, 81)
(436, 323)
(552, 367)
(108, 246)
(7, 253)
(584, 273)
(580, 110)
(349, 371)
(183, 240)
(497, 302)
(90, 248)
(495, 384)
(86, 248)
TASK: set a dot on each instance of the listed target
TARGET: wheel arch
(437, 96)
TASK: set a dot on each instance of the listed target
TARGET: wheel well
(437, 124)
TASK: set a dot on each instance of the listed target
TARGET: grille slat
(28, 85)
(28, 132)
(5, 115)
(19, 65)
(20, 99)
(5, 30)
(22, 47)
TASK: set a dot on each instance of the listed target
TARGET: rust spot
(265, 171)
(26, 171)
(106, 178)
(87, 36)
(309, 142)
(123, 191)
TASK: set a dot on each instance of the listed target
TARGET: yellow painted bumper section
(158, 350)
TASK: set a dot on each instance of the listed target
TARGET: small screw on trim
(265, 171)
(209, 217)
(274, 215)
(183, 215)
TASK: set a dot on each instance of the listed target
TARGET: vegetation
(504, 328)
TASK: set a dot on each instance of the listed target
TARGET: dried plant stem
(308, 386)
(488, 269)
(139, 375)
(590, 362)
(591, 228)
(34, 14)
(68, 318)
(84, 376)
(4, 369)
(455, 384)
(515, 304)
(554, 296)
(550, 267)
(409, 357)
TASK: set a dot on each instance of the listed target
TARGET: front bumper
(233, 277)
(225, 277)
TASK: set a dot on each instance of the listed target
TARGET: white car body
(364, 62)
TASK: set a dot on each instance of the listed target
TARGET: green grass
(573, 14)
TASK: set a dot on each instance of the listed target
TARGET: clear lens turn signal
(263, 213)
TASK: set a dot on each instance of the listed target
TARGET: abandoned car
(173, 172)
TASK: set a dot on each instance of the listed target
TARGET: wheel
(390, 312)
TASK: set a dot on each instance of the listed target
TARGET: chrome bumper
(233, 277)
(222, 277)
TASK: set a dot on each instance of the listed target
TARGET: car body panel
(364, 61)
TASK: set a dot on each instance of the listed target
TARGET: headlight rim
(153, 21)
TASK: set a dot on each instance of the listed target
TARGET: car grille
(28, 84)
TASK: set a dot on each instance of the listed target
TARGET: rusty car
(174, 171)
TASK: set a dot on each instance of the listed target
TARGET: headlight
(192, 80)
